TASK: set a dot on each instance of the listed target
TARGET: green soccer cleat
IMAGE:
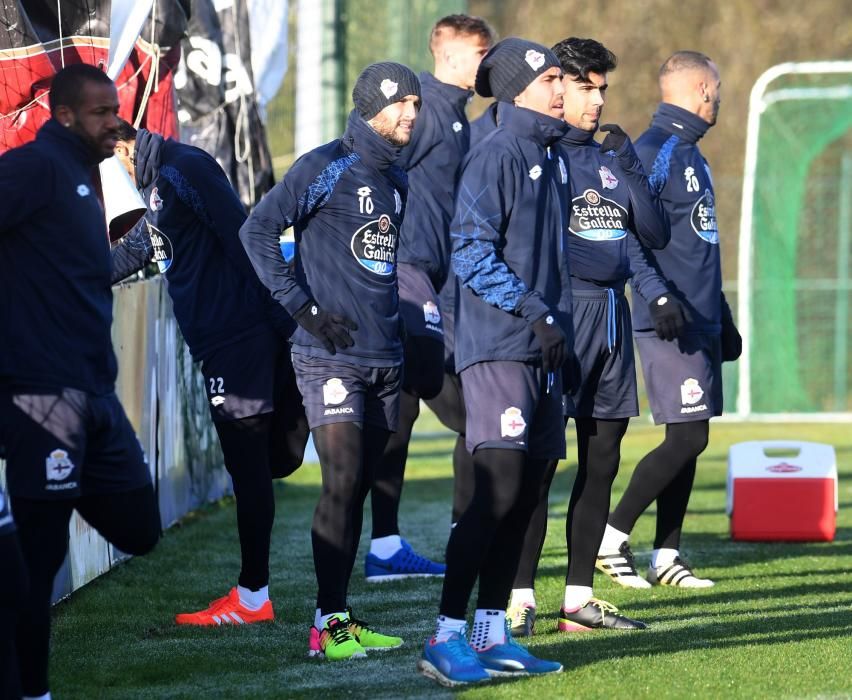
(371, 640)
(337, 642)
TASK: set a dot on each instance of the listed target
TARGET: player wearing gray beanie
(382, 84)
(510, 66)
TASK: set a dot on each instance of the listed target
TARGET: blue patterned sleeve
(483, 201)
(304, 189)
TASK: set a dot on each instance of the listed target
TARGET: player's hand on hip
(332, 330)
(669, 316)
(553, 342)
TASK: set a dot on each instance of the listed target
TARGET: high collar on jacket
(53, 132)
(456, 96)
(543, 130)
(578, 137)
(373, 149)
(148, 154)
(683, 123)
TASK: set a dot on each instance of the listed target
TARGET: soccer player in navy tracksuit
(235, 330)
(68, 443)
(431, 160)
(345, 201)
(512, 338)
(612, 210)
(683, 326)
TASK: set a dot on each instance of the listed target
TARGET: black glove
(732, 342)
(669, 316)
(615, 139)
(332, 330)
(553, 342)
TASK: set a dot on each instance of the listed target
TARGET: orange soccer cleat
(227, 611)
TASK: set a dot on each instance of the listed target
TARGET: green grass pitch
(778, 623)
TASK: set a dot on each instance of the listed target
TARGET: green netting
(801, 324)
(386, 30)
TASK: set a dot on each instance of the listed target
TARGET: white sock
(46, 696)
(325, 618)
(612, 540)
(489, 628)
(253, 600)
(385, 547)
(663, 557)
(448, 625)
(576, 597)
(318, 619)
(522, 596)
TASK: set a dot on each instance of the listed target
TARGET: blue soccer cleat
(512, 659)
(451, 663)
(406, 563)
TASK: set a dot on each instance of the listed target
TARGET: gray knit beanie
(510, 66)
(382, 84)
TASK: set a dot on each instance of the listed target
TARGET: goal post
(793, 291)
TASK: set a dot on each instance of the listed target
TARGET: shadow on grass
(795, 626)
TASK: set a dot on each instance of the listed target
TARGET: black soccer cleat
(596, 614)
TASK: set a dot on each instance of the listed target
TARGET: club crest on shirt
(512, 423)
(608, 180)
(82, 191)
(155, 202)
(457, 127)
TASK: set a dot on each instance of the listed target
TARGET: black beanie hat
(382, 84)
(510, 66)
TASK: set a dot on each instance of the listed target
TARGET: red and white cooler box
(782, 490)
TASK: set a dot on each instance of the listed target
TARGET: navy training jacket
(345, 201)
(611, 203)
(690, 265)
(508, 239)
(190, 230)
(55, 294)
(431, 160)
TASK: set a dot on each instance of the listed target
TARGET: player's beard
(388, 131)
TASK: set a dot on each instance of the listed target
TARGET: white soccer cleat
(620, 566)
(677, 573)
